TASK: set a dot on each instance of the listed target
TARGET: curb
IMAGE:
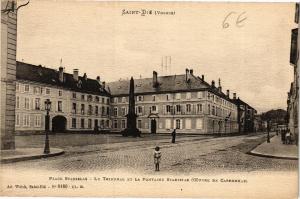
(271, 156)
(24, 158)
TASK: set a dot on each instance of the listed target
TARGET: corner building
(77, 102)
(185, 102)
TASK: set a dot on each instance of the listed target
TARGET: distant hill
(279, 116)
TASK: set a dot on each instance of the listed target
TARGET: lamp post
(268, 129)
(47, 120)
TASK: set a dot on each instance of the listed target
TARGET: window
(123, 124)
(107, 110)
(47, 91)
(188, 96)
(123, 111)
(74, 95)
(74, 123)
(37, 103)
(140, 98)
(36, 90)
(59, 93)
(188, 108)
(107, 101)
(140, 110)
(115, 124)
(102, 100)
(139, 124)
(37, 121)
(208, 109)
(96, 110)
(169, 109)
(153, 98)
(89, 98)
(26, 105)
(168, 123)
(107, 123)
(167, 97)
(213, 110)
(97, 99)
(26, 120)
(17, 102)
(82, 109)
(74, 108)
(153, 109)
(90, 110)
(82, 123)
(26, 88)
(123, 99)
(116, 111)
(102, 110)
(200, 94)
(82, 97)
(199, 123)
(59, 106)
(178, 124)
(17, 86)
(178, 108)
(115, 100)
(178, 96)
(18, 119)
(89, 123)
(199, 108)
(188, 124)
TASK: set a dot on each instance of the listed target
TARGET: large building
(8, 73)
(185, 102)
(293, 94)
(78, 103)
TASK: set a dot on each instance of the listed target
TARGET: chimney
(227, 93)
(155, 83)
(75, 74)
(191, 71)
(202, 77)
(85, 76)
(234, 95)
(61, 74)
(213, 83)
(186, 74)
(220, 87)
(103, 84)
(98, 79)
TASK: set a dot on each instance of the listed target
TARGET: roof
(239, 101)
(50, 76)
(166, 84)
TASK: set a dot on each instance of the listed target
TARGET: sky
(250, 57)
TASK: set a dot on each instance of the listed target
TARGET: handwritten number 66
(238, 22)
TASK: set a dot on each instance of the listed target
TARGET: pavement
(275, 149)
(21, 154)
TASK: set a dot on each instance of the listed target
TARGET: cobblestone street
(190, 154)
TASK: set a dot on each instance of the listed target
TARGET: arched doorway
(153, 126)
(59, 123)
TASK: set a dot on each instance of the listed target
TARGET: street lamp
(268, 129)
(47, 121)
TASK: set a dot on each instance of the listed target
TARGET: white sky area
(94, 37)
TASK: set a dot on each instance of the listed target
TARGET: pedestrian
(283, 136)
(173, 136)
(157, 156)
(288, 137)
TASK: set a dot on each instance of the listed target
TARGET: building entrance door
(59, 123)
(153, 126)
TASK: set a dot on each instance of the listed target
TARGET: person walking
(157, 156)
(173, 136)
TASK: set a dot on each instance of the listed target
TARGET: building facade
(77, 103)
(183, 102)
(293, 94)
(8, 73)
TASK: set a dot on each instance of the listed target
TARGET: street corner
(23, 154)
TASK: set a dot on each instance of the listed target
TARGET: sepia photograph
(149, 99)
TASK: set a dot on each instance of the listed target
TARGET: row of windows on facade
(188, 96)
(25, 120)
(175, 109)
(178, 124)
(97, 123)
(40, 90)
(90, 111)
